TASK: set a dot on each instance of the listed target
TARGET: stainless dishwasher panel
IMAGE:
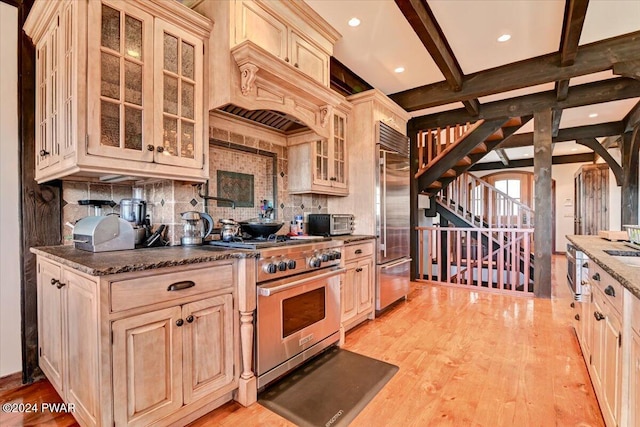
(392, 282)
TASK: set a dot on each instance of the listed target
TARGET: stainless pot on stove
(229, 230)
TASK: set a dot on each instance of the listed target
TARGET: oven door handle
(266, 292)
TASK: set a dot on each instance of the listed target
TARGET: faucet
(207, 198)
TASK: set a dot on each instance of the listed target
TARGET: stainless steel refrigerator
(392, 216)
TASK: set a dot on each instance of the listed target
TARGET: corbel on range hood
(267, 83)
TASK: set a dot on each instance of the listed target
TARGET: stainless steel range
(298, 304)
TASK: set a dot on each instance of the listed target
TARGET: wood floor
(466, 358)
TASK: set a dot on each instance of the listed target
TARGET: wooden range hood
(263, 82)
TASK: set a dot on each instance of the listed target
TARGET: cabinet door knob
(160, 149)
(573, 304)
(54, 281)
(596, 277)
(577, 317)
(296, 65)
(286, 59)
(179, 322)
(44, 153)
(599, 316)
(609, 290)
(150, 147)
(190, 318)
(60, 285)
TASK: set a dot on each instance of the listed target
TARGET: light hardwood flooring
(466, 359)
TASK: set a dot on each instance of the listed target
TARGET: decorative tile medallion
(235, 186)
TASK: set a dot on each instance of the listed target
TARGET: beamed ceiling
(580, 58)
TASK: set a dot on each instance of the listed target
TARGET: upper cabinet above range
(272, 55)
(287, 30)
(120, 89)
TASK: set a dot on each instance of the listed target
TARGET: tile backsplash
(166, 199)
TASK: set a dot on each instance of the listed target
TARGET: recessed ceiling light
(592, 115)
(504, 37)
(354, 22)
(399, 70)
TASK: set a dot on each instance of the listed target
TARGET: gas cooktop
(272, 241)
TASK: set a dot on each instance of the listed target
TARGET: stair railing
(484, 205)
(433, 144)
(457, 256)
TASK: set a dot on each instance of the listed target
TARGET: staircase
(445, 153)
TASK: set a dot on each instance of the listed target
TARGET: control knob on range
(282, 266)
(315, 261)
(270, 268)
(325, 257)
(291, 265)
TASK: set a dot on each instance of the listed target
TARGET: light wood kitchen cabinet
(634, 364)
(320, 165)
(286, 33)
(357, 289)
(120, 81)
(151, 347)
(606, 353)
(166, 357)
(68, 332)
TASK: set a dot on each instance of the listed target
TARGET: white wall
(10, 341)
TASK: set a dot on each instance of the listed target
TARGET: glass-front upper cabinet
(339, 150)
(146, 95)
(121, 82)
(178, 96)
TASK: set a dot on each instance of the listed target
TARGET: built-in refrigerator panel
(392, 216)
(393, 209)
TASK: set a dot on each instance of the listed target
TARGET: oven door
(571, 267)
(296, 318)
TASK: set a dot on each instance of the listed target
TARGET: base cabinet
(68, 333)
(357, 289)
(155, 347)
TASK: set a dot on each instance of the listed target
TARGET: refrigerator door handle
(383, 203)
(395, 264)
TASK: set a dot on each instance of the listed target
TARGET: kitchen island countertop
(114, 262)
(594, 247)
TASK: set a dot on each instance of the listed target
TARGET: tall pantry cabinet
(119, 89)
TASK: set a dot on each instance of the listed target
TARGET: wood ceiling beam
(419, 15)
(345, 81)
(585, 94)
(562, 89)
(523, 163)
(598, 149)
(421, 19)
(555, 122)
(590, 58)
(629, 69)
(613, 129)
(503, 156)
(632, 118)
(574, 14)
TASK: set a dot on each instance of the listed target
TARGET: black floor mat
(330, 390)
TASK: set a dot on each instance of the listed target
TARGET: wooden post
(415, 163)
(542, 128)
(630, 158)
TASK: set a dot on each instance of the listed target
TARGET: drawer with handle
(139, 292)
(358, 250)
(611, 290)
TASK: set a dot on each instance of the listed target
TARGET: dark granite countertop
(103, 263)
(594, 247)
(351, 238)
